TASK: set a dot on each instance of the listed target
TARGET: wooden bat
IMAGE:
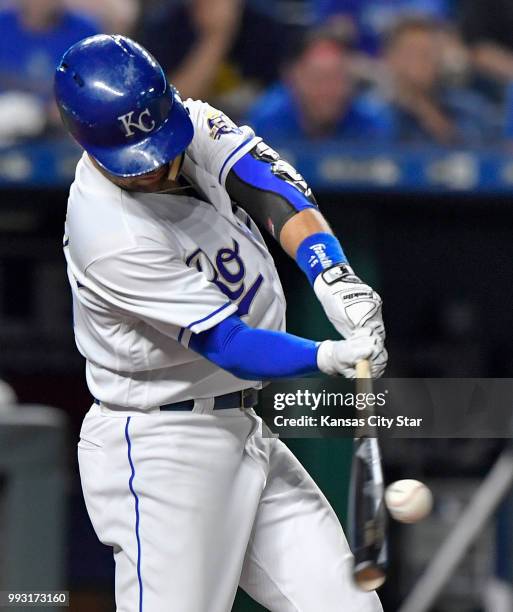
(367, 515)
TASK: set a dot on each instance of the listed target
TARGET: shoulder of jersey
(196, 110)
(212, 121)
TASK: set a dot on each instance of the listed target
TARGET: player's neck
(168, 183)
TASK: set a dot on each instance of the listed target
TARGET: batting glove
(340, 357)
(348, 302)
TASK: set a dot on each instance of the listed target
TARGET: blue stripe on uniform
(234, 152)
(137, 517)
(212, 314)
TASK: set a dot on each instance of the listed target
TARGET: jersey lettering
(228, 274)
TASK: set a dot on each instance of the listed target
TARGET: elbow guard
(268, 188)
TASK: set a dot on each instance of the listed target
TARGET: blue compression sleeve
(256, 354)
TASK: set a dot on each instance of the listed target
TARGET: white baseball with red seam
(408, 501)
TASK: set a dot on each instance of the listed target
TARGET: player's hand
(340, 357)
(348, 302)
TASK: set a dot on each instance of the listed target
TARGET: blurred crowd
(398, 71)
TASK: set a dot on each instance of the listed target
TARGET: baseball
(408, 501)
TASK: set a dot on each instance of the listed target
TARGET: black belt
(247, 398)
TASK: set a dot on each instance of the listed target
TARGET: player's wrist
(319, 253)
(339, 272)
(325, 358)
(332, 280)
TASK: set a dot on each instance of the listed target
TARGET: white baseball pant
(196, 503)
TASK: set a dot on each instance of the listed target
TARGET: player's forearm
(308, 239)
(280, 200)
(301, 226)
(263, 354)
(245, 352)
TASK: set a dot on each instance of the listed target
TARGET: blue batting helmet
(116, 101)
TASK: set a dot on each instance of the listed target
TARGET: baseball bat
(367, 516)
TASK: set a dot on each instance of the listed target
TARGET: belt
(246, 398)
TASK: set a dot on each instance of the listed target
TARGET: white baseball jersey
(149, 270)
(193, 503)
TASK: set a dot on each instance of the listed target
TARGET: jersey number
(228, 274)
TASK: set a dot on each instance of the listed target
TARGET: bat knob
(369, 578)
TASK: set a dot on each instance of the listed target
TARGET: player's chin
(159, 184)
(151, 182)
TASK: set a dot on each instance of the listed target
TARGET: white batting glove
(348, 302)
(340, 356)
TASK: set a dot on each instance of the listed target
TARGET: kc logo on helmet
(145, 123)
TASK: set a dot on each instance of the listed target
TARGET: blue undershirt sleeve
(256, 354)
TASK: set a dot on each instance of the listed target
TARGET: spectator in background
(316, 98)
(508, 123)
(115, 16)
(373, 18)
(208, 46)
(33, 37)
(421, 107)
(487, 26)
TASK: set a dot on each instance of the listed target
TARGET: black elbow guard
(268, 188)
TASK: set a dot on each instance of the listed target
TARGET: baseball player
(179, 312)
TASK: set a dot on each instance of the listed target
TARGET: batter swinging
(179, 312)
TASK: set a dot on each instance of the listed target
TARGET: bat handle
(363, 369)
